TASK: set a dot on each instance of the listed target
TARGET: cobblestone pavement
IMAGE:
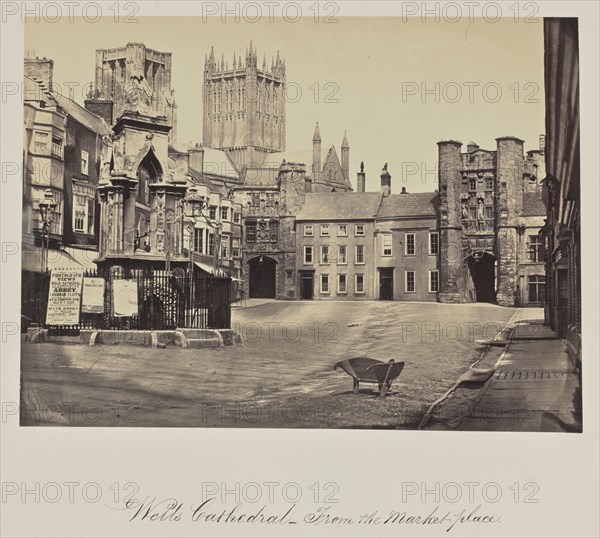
(282, 377)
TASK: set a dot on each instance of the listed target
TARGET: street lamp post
(46, 207)
(216, 259)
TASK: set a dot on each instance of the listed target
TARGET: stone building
(65, 145)
(133, 75)
(209, 174)
(368, 245)
(407, 247)
(335, 258)
(487, 214)
(159, 207)
(562, 195)
(63, 148)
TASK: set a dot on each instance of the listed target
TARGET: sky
(395, 87)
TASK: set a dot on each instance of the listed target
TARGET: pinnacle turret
(345, 141)
(317, 135)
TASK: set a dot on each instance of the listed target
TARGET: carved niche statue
(465, 210)
(480, 215)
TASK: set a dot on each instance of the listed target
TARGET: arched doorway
(262, 277)
(482, 266)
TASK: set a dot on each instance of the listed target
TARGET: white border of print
(177, 462)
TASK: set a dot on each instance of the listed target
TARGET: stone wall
(509, 175)
(453, 271)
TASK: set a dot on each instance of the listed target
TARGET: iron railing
(165, 300)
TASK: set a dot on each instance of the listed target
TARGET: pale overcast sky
(371, 62)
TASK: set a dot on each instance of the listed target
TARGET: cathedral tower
(244, 107)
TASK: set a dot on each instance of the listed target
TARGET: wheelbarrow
(365, 370)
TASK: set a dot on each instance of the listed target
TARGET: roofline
(397, 217)
(352, 219)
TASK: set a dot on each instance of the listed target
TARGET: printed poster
(64, 297)
(92, 301)
(125, 297)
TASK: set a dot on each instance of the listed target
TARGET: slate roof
(340, 206)
(217, 162)
(533, 206)
(417, 204)
(82, 115)
(214, 185)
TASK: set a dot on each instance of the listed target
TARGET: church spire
(345, 141)
(317, 135)
(346, 157)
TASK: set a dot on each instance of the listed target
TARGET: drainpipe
(375, 275)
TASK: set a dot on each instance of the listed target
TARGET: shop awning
(83, 256)
(31, 259)
(210, 269)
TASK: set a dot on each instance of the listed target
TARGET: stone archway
(482, 268)
(262, 279)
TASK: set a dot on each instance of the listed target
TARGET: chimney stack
(542, 143)
(196, 158)
(386, 181)
(40, 69)
(471, 146)
(360, 178)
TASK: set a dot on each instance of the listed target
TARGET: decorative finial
(362, 167)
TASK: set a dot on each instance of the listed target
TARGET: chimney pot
(361, 179)
(386, 181)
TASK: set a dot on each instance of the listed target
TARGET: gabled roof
(82, 115)
(213, 185)
(216, 162)
(340, 206)
(418, 204)
(533, 206)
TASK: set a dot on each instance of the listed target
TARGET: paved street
(282, 377)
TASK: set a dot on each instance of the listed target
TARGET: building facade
(368, 245)
(407, 247)
(562, 184)
(484, 223)
(65, 146)
(335, 254)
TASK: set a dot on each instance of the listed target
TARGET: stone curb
(206, 338)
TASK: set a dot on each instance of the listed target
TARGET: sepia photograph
(279, 249)
(275, 256)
